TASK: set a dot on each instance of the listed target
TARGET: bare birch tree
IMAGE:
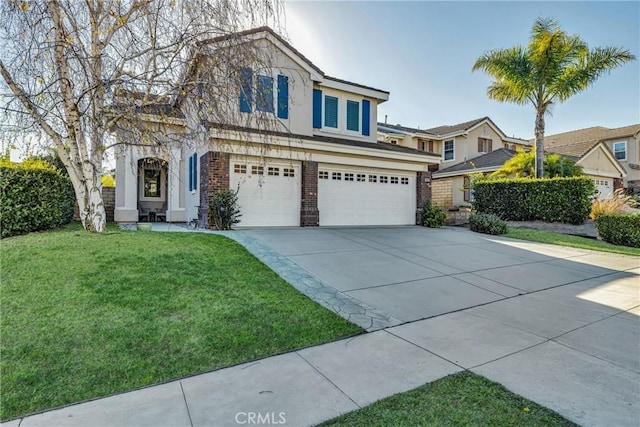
(67, 64)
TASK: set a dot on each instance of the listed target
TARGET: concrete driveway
(557, 325)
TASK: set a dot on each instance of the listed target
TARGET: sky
(422, 53)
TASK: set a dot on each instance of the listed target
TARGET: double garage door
(270, 194)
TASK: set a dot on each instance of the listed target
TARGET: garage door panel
(268, 194)
(373, 197)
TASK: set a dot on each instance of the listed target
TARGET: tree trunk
(88, 188)
(539, 131)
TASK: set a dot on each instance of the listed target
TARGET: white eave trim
(370, 93)
(307, 144)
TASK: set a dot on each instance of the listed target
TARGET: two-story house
(299, 146)
(611, 157)
(465, 148)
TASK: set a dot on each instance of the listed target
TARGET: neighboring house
(451, 185)
(299, 146)
(610, 156)
(475, 146)
(454, 144)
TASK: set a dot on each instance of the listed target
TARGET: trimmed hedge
(565, 200)
(621, 230)
(33, 199)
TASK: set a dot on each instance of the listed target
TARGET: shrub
(433, 216)
(619, 229)
(223, 210)
(552, 200)
(487, 223)
(614, 204)
(33, 198)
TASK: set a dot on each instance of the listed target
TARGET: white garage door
(269, 191)
(363, 196)
(604, 186)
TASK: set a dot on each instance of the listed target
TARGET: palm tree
(552, 68)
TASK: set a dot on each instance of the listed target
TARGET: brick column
(423, 193)
(309, 213)
(214, 176)
(617, 183)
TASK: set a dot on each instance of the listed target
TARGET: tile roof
(494, 159)
(577, 143)
(443, 130)
(401, 128)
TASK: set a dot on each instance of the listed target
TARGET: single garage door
(604, 186)
(364, 196)
(269, 191)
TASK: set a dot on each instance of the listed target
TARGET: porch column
(175, 213)
(126, 185)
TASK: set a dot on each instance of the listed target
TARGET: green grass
(461, 399)
(560, 239)
(86, 315)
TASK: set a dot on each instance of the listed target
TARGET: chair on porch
(143, 215)
(161, 214)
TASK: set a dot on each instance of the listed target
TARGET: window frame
(346, 116)
(453, 150)
(624, 143)
(324, 112)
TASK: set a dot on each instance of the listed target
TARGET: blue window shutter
(353, 115)
(366, 117)
(317, 108)
(331, 111)
(283, 97)
(195, 171)
(246, 84)
(264, 97)
(190, 173)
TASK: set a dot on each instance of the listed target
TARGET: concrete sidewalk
(570, 342)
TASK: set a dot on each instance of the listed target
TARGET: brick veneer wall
(441, 192)
(423, 193)
(109, 200)
(309, 213)
(214, 176)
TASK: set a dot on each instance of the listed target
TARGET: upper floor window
(425, 145)
(336, 113)
(331, 111)
(264, 94)
(620, 150)
(258, 92)
(485, 145)
(448, 153)
(353, 116)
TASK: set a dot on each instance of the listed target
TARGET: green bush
(33, 199)
(565, 200)
(433, 216)
(621, 230)
(487, 223)
(223, 210)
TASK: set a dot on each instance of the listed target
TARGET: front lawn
(463, 399)
(554, 238)
(87, 315)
